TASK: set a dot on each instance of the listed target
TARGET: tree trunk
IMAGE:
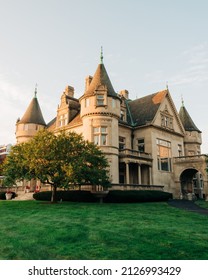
(53, 194)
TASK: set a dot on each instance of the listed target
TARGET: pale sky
(146, 44)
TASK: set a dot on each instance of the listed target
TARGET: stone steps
(21, 195)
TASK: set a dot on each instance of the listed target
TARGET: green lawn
(42, 231)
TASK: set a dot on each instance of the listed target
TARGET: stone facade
(146, 141)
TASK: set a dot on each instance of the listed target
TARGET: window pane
(103, 139)
(100, 99)
(96, 129)
(164, 164)
(141, 145)
(96, 139)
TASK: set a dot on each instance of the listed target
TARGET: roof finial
(167, 85)
(36, 85)
(101, 56)
(182, 101)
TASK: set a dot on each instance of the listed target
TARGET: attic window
(123, 115)
(166, 121)
(62, 120)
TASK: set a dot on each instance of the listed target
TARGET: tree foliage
(59, 160)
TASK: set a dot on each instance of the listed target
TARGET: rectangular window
(122, 117)
(122, 142)
(87, 102)
(100, 135)
(100, 99)
(26, 127)
(141, 146)
(180, 153)
(113, 103)
(166, 121)
(96, 139)
(63, 119)
(103, 140)
(164, 155)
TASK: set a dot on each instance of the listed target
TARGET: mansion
(146, 141)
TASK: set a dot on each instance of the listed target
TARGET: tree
(59, 160)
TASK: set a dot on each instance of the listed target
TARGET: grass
(34, 230)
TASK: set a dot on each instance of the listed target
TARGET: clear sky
(146, 44)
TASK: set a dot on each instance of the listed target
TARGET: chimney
(88, 80)
(69, 91)
(124, 93)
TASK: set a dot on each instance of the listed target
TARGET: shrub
(74, 196)
(112, 197)
(137, 196)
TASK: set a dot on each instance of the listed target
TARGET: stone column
(127, 173)
(150, 175)
(139, 174)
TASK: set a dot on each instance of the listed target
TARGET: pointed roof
(100, 78)
(186, 120)
(143, 110)
(33, 113)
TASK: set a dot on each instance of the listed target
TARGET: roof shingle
(33, 113)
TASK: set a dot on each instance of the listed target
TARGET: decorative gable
(166, 119)
(167, 116)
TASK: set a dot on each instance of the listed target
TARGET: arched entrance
(191, 183)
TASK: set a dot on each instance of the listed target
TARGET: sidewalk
(188, 205)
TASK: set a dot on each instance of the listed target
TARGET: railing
(134, 153)
(193, 158)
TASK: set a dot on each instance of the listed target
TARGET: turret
(31, 122)
(100, 112)
(192, 140)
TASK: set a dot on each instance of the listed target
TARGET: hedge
(137, 196)
(112, 197)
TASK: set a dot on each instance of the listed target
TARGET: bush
(137, 196)
(112, 197)
(74, 196)
(3, 196)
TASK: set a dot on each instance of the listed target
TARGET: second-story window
(164, 155)
(180, 153)
(122, 143)
(100, 135)
(140, 145)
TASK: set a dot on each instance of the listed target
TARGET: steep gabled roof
(143, 110)
(33, 113)
(100, 78)
(186, 120)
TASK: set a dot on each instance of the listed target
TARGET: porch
(135, 168)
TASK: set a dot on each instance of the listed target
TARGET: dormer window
(123, 115)
(100, 99)
(63, 120)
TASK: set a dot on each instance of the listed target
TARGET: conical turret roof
(33, 113)
(100, 78)
(186, 120)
